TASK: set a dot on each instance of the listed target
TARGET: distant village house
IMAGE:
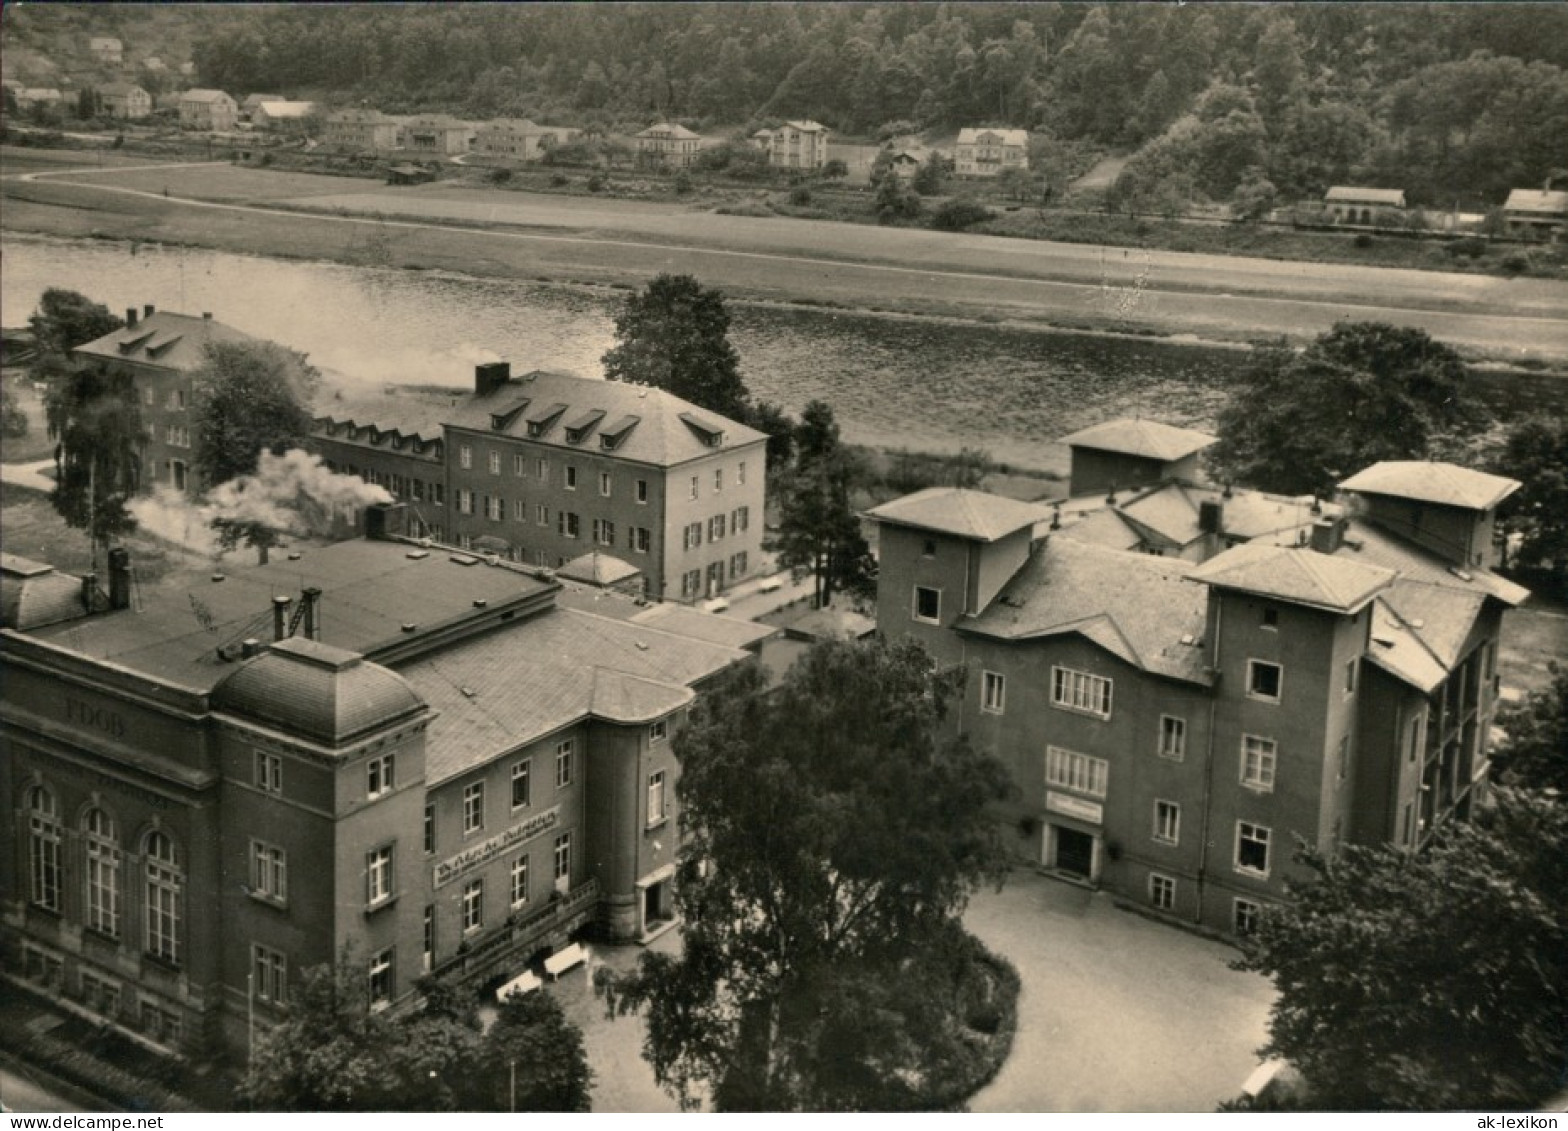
(282, 116)
(1349, 204)
(437, 134)
(1532, 214)
(796, 145)
(359, 129)
(667, 145)
(208, 110)
(519, 138)
(124, 100)
(253, 101)
(986, 152)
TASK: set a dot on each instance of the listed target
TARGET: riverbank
(986, 280)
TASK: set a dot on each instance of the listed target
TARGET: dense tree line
(1449, 100)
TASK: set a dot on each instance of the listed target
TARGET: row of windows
(1245, 913)
(176, 398)
(692, 579)
(162, 875)
(102, 995)
(175, 435)
(570, 478)
(403, 486)
(1259, 761)
(568, 524)
(737, 522)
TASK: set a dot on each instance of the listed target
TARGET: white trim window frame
(1254, 669)
(934, 604)
(1258, 838)
(1081, 773)
(993, 692)
(1259, 763)
(1081, 692)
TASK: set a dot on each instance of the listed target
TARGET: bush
(683, 185)
(960, 213)
(559, 180)
(1363, 239)
(1473, 246)
(1516, 263)
(800, 196)
(598, 182)
(499, 176)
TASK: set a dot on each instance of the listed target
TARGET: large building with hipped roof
(444, 764)
(1185, 680)
(546, 467)
(160, 351)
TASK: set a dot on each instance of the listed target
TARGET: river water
(923, 384)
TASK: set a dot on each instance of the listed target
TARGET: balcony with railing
(523, 931)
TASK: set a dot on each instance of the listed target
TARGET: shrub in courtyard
(960, 213)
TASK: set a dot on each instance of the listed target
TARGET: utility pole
(511, 1104)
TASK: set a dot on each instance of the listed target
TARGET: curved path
(861, 265)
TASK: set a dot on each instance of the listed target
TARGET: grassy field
(33, 530)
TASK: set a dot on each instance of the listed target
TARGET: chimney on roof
(280, 619)
(249, 647)
(130, 316)
(1328, 535)
(1211, 517)
(206, 316)
(90, 592)
(490, 376)
(311, 595)
(149, 310)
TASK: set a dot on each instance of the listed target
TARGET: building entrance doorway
(1074, 852)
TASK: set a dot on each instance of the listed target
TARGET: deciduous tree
(250, 397)
(1362, 392)
(674, 335)
(64, 320)
(1535, 753)
(1536, 454)
(834, 831)
(95, 418)
(1432, 983)
(532, 1059)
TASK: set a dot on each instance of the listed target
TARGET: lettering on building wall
(95, 717)
(470, 858)
(1071, 806)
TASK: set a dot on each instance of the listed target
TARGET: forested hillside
(1454, 102)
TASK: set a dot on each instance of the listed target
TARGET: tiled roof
(971, 135)
(405, 415)
(1355, 195)
(33, 594)
(203, 96)
(1537, 200)
(712, 627)
(1398, 650)
(1136, 607)
(968, 514)
(1299, 576)
(1148, 438)
(283, 109)
(505, 689)
(661, 437)
(1430, 482)
(369, 591)
(1440, 616)
(668, 130)
(163, 339)
(1365, 542)
(326, 693)
(1103, 527)
(807, 127)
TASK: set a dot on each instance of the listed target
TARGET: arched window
(101, 843)
(44, 847)
(165, 895)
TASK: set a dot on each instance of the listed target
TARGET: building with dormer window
(547, 467)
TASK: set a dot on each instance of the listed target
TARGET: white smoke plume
(292, 493)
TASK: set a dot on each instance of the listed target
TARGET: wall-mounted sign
(1070, 806)
(485, 851)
